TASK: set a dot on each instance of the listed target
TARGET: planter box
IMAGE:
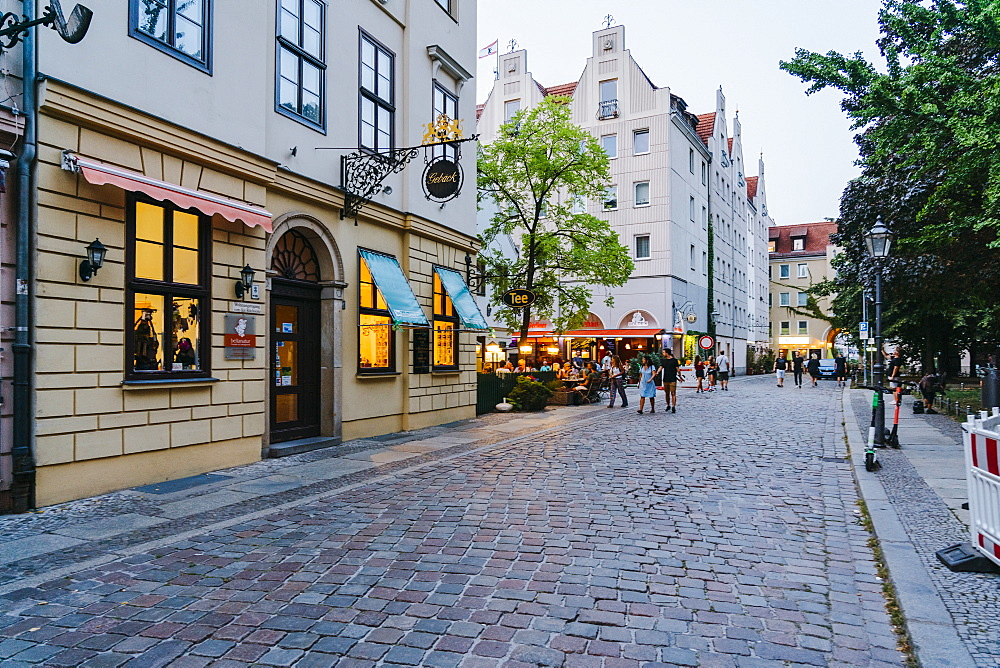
(563, 399)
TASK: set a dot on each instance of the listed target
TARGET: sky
(693, 48)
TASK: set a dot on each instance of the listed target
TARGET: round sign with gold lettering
(519, 298)
(442, 179)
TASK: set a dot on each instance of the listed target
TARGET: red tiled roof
(706, 126)
(561, 89)
(817, 237)
(479, 110)
(752, 188)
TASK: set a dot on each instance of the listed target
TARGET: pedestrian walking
(780, 366)
(797, 369)
(840, 369)
(929, 386)
(617, 375)
(722, 363)
(670, 372)
(712, 371)
(699, 373)
(812, 366)
(647, 388)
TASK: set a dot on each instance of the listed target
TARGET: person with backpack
(929, 386)
(780, 366)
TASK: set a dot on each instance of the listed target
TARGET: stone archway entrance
(295, 339)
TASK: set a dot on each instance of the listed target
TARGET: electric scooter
(892, 437)
(871, 459)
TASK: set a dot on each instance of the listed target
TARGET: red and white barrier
(982, 472)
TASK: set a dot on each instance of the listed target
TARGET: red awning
(100, 174)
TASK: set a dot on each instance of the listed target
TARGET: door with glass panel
(295, 360)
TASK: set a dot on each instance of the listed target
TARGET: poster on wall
(240, 339)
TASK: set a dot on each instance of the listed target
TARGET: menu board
(421, 350)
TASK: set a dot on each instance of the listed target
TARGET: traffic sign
(706, 342)
(863, 329)
(518, 298)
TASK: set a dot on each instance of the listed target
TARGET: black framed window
(300, 70)
(181, 28)
(446, 328)
(376, 97)
(445, 103)
(168, 277)
(376, 338)
(445, 5)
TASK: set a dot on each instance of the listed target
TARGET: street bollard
(990, 393)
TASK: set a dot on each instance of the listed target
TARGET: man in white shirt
(606, 362)
(723, 363)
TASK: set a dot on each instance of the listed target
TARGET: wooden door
(295, 360)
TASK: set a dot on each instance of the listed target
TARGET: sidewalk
(38, 546)
(915, 501)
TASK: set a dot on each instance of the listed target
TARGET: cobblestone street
(726, 534)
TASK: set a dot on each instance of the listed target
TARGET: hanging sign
(442, 179)
(706, 342)
(518, 298)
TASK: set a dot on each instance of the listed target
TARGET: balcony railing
(607, 109)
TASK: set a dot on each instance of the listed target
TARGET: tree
(534, 176)
(929, 138)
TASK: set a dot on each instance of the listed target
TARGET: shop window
(376, 338)
(376, 96)
(301, 67)
(181, 28)
(168, 291)
(445, 329)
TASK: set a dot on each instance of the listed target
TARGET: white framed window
(609, 90)
(784, 299)
(803, 299)
(784, 270)
(704, 262)
(803, 270)
(610, 145)
(785, 327)
(578, 205)
(610, 202)
(510, 107)
(803, 327)
(704, 174)
(704, 218)
(642, 247)
(798, 243)
(691, 160)
(640, 142)
(642, 193)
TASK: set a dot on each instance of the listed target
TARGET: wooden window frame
(442, 315)
(372, 310)
(168, 290)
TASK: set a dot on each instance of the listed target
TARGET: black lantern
(95, 259)
(879, 240)
(245, 282)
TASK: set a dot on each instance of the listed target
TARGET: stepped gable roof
(479, 110)
(706, 126)
(817, 236)
(561, 89)
(752, 187)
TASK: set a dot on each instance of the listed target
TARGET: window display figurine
(184, 354)
(147, 345)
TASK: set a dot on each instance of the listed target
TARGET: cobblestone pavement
(723, 535)
(973, 599)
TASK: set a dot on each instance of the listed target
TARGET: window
(691, 208)
(447, 104)
(510, 107)
(611, 198)
(578, 205)
(168, 279)
(770, 246)
(704, 218)
(784, 270)
(445, 328)
(704, 262)
(692, 254)
(691, 160)
(769, 300)
(610, 145)
(642, 247)
(376, 340)
(803, 327)
(704, 174)
(784, 299)
(181, 28)
(803, 270)
(446, 6)
(786, 327)
(798, 243)
(642, 194)
(802, 299)
(376, 96)
(640, 142)
(609, 90)
(300, 60)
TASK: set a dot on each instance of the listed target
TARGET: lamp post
(879, 241)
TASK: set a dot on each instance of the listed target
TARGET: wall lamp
(95, 259)
(245, 283)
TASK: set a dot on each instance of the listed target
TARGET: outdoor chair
(604, 387)
(591, 395)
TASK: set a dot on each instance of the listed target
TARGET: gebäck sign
(442, 179)
(518, 298)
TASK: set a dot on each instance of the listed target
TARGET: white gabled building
(673, 176)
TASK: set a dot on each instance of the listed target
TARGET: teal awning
(396, 292)
(461, 298)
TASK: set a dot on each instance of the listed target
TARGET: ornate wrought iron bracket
(363, 172)
(13, 27)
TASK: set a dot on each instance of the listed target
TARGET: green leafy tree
(534, 175)
(929, 134)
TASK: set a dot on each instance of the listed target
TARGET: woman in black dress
(812, 366)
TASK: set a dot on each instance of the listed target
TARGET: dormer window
(798, 243)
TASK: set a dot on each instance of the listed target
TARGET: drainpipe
(23, 487)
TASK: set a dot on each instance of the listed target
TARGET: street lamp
(879, 241)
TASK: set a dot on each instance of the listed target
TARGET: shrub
(529, 395)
